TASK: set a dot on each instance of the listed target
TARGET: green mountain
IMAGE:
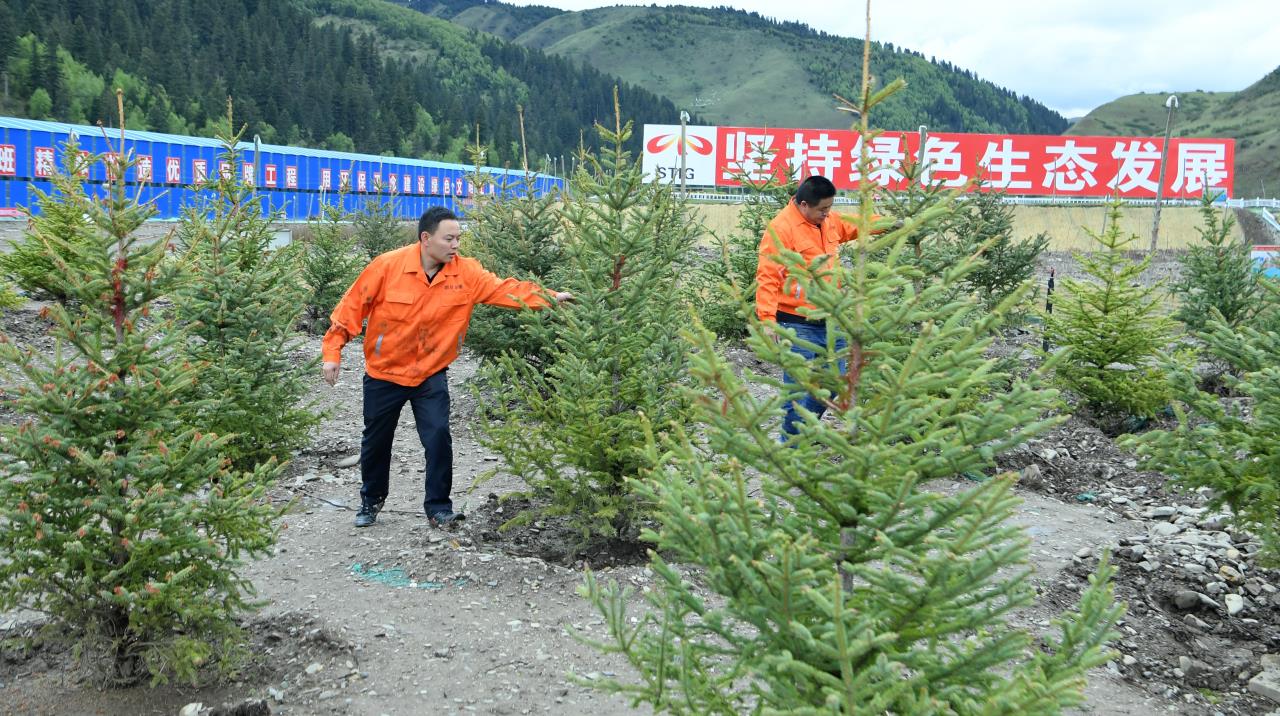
(1250, 116)
(738, 68)
(356, 75)
(495, 18)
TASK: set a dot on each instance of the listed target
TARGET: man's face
(816, 213)
(442, 245)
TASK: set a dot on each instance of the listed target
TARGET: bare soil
(400, 618)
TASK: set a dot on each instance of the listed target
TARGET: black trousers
(383, 401)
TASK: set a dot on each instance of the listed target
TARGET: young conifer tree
(838, 581)
(918, 196)
(31, 265)
(1218, 274)
(378, 228)
(986, 221)
(121, 523)
(1114, 329)
(576, 432)
(330, 263)
(513, 231)
(1217, 444)
(240, 307)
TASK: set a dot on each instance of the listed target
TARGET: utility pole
(1172, 104)
(922, 159)
(257, 160)
(684, 118)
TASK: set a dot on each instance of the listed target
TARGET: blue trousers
(814, 333)
(383, 401)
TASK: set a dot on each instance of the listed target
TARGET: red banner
(1040, 165)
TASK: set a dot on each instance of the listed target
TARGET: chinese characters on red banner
(1017, 164)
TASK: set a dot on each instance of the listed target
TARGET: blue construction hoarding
(293, 183)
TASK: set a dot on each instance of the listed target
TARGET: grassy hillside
(1251, 117)
(733, 67)
(505, 21)
(741, 80)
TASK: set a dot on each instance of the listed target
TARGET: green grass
(1251, 117)
(762, 84)
(731, 68)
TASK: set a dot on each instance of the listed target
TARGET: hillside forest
(345, 75)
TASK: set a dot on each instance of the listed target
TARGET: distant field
(1065, 225)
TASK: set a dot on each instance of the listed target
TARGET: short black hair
(815, 189)
(432, 217)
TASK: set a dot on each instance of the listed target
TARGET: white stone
(349, 461)
(1266, 683)
(1165, 529)
(1235, 604)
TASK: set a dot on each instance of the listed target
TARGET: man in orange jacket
(808, 227)
(417, 301)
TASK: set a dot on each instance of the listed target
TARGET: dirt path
(400, 618)
(494, 638)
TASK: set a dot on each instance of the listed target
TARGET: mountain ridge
(754, 71)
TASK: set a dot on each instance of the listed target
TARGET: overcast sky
(1072, 56)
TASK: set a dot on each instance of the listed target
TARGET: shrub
(240, 308)
(513, 232)
(1218, 443)
(34, 266)
(124, 526)
(330, 264)
(1114, 331)
(575, 433)
(819, 577)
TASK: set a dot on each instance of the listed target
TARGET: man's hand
(329, 371)
(563, 297)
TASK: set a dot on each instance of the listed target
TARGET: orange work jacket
(415, 328)
(775, 290)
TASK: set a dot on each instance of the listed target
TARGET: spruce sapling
(513, 231)
(33, 266)
(721, 287)
(378, 228)
(1114, 329)
(330, 263)
(1232, 445)
(240, 307)
(575, 433)
(838, 581)
(1218, 274)
(121, 523)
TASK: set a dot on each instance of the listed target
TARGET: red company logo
(663, 142)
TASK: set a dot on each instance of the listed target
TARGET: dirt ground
(401, 618)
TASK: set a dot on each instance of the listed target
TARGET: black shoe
(368, 514)
(448, 518)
